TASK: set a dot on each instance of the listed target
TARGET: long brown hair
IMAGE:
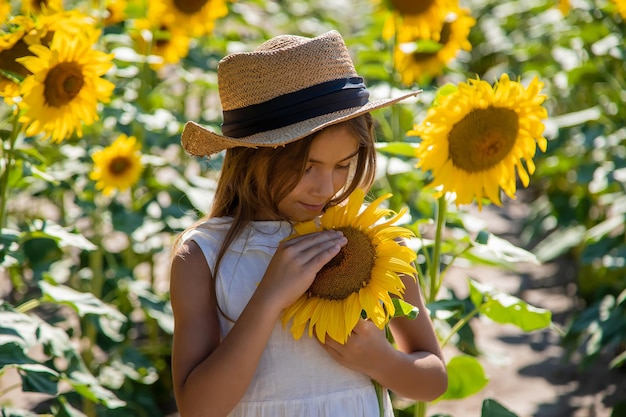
(254, 181)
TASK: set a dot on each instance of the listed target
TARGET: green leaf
(155, 306)
(65, 409)
(51, 230)
(397, 148)
(466, 377)
(130, 364)
(443, 91)
(82, 302)
(619, 361)
(110, 319)
(507, 309)
(28, 331)
(492, 408)
(88, 386)
(12, 353)
(559, 242)
(16, 412)
(426, 46)
(492, 245)
(404, 309)
(38, 378)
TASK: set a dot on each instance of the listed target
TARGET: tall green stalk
(434, 272)
(96, 264)
(435, 277)
(8, 164)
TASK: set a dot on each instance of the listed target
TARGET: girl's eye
(308, 169)
(343, 167)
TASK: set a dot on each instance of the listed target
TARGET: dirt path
(528, 372)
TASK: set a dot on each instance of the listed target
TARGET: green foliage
(466, 376)
(600, 329)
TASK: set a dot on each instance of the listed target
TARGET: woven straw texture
(281, 65)
(254, 77)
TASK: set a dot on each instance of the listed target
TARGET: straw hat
(286, 89)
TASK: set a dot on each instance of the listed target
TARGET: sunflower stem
(458, 325)
(28, 305)
(420, 409)
(435, 265)
(379, 397)
(96, 264)
(4, 179)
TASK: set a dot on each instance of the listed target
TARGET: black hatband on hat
(324, 98)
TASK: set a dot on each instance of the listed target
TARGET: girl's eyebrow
(352, 155)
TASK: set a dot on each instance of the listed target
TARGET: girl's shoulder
(255, 235)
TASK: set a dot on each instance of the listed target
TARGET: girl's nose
(324, 185)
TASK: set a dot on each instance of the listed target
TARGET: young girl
(299, 139)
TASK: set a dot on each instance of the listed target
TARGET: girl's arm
(415, 370)
(211, 377)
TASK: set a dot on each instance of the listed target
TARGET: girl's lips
(310, 207)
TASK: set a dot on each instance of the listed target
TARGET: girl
(299, 139)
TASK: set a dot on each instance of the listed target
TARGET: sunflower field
(521, 100)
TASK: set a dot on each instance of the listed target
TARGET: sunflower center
(189, 6)
(483, 138)
(349, 271)
(119, 166)
(63, 83)
(412, 7)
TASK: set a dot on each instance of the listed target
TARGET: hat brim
(200, 141)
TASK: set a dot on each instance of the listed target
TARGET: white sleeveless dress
(295, 378)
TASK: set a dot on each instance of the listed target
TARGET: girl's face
(332, 153)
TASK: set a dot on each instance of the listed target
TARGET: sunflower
(5, 10)
(196, 16)
(41, 6)
(362, 277)
(65, 86)
(476, 137)
(420, 60)
(421, 19)
(117, 167)
(72, 23)
(115, 12)
(169, 43)
(22, 32)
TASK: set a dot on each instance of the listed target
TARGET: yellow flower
(41, 7)
(477, 136)
(362, 277)
(14, 44)
(420, 65)
(23, 32)
(621, 7)
(5, 10)
(65, 86)
(115, 12)
(196, 17)
(117, 167)
(564, 6)
(169, 43)
(419, 19)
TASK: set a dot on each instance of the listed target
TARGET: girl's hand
(296, 262)
(365, 348)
